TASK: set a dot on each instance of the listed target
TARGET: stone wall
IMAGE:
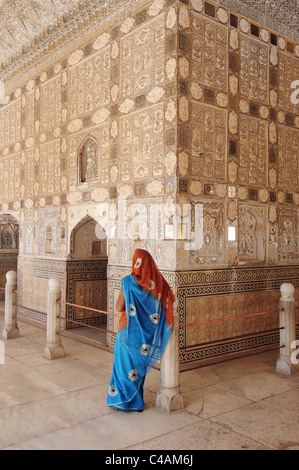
(174, 104)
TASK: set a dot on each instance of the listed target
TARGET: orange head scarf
(148, 276)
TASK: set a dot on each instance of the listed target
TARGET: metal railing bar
(84, 324)
(233, 338)
(229, 318)
(89, 308)
(30, 295)
(240, 356)
(31, 309)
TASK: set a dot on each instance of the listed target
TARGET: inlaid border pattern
(229, 281)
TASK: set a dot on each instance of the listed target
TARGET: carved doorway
(86, 276)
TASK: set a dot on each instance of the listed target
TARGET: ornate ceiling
(30, 28)
(281, 16)
(23, 23)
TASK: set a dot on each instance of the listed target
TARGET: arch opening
(87, 279)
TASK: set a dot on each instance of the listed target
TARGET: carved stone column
(284, 363)
(11, 329)
(169, 397)
(54, 348)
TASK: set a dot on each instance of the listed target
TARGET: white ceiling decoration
(31, 28)
(25, 22)
(280, 16)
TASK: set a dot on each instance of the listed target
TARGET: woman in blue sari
(146, 323)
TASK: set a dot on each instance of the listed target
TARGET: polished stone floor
(61, 404)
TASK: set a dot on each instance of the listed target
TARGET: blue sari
(138, 346)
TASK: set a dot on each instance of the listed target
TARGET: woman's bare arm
(120, 304)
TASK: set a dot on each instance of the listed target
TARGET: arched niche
(9, 233)
(9, 247)
(251, 237)
(88, 161)
(84, 242)
(86, 275)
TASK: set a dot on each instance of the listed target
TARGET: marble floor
(61, 404)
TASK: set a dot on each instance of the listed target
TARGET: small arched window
(88, 161)
(7, 241)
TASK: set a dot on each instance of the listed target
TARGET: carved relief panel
(288, 158)
(50, 168)
(29, 173)
(254, 75)
(288, 234)
(10, 123)
(142, 144)
(253, 158)
(10, 178)
(212, 250)
(51, 105)
(208, 142)
(209, 52)
(89, 84)
(29, 109)
(142, 59)
(252, 233)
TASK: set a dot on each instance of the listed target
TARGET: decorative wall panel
(253, 160)
(163, 103)
(50, 168)
(51, 105)
(142, 59)
(254, 69)
(10, 178)
(221, 293)
(209, 52)
(142, 139)
(10, 124)
(288, 158)
(208, 142)
(89, 84)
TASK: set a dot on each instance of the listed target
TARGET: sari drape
(144, 330)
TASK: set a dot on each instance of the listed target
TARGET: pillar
(11, 329)
(169, 397)
(54, 348)
(284, 363)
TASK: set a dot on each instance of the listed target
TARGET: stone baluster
(11, 329)
(54, 348)
(169, 397)
(285, 364)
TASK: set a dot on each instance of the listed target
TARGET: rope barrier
(232, 338)
(31, 309)
(85, 341)
(84, 324)
(88, 308)
(239, 356)
(30, 295)
(230, 318)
